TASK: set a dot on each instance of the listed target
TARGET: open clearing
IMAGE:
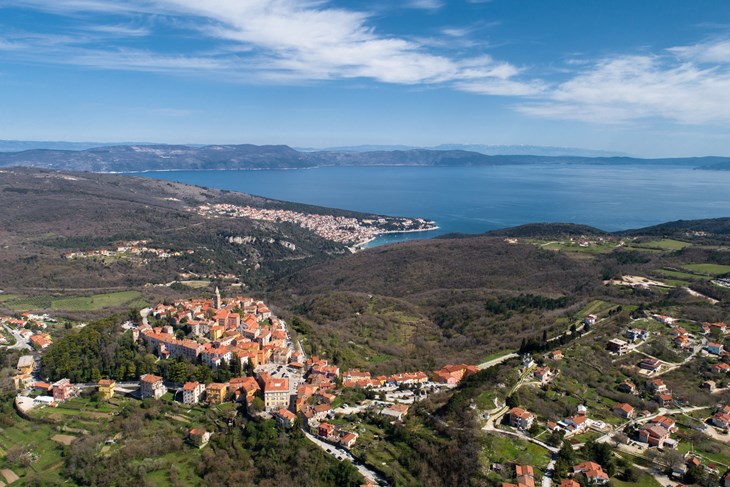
(73, 303)
(9, 475)
(708, 269)
(664, 244)
(63, 439)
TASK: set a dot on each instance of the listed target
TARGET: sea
(478, 199)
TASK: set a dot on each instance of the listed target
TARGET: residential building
(23, 381)
(348, 440)
(720, 368)
(664, 399)
(151, 386)
(247, 386)
(276, 392)
(63, 390)
(26, 364)
(192, 392)
(41, 341)
(217, 356)
(521, 418)
(679, 332)
(651, 365)
(285, 417)
(719, 327)
(593, 472)
(543, 374)
(574, 424)
(665, 422)
(396, 411)
(199, 437)
(453, 374)
(682, 342)
(714, 348)
(525, 475)
(627, 386)
(555, 355)
(634, 334)
(618, 346)
(324, 369)
(665, 320)
(352, 377)
(325, 430)
(106, 388)
(624, 410)
(656, 385)
(654, 434)
(215, 393)
(721, 420)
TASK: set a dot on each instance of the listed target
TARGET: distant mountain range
(140, 157)
(22, 145)
(490, 150)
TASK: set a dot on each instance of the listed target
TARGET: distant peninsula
(140, 157)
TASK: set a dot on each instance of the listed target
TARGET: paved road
(342, 454)
(547, 479)
(498, 360)
(145, 313)
(20, 342)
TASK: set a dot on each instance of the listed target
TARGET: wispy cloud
(305, 41)
(717, 51)
(426, 4)
(679, 86)
(285, 40)
(121, 30)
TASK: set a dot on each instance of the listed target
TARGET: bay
(479, 199)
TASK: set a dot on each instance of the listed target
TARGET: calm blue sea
(475, 200)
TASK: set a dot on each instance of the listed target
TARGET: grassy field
(574, 247)
(645, 480)
(596, 307)
(381, 454)
(708, 269)
(510, 449)
(664, 244)
(76, 303)
(709, 449)
(682, 275)
(37, 436)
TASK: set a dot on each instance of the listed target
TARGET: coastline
(145, 171)
(361, 245)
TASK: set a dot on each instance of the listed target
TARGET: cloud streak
(288, 41)
(304, 41)
(678, 86)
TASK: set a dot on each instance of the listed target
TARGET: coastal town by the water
(354, 232)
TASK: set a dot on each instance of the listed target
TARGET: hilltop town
(268, 374)
(521, 358)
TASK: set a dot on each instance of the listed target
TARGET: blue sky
(649, 77)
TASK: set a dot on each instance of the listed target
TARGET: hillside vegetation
(47, 214)
(446, 299)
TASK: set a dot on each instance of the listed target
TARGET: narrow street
(342, 454)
